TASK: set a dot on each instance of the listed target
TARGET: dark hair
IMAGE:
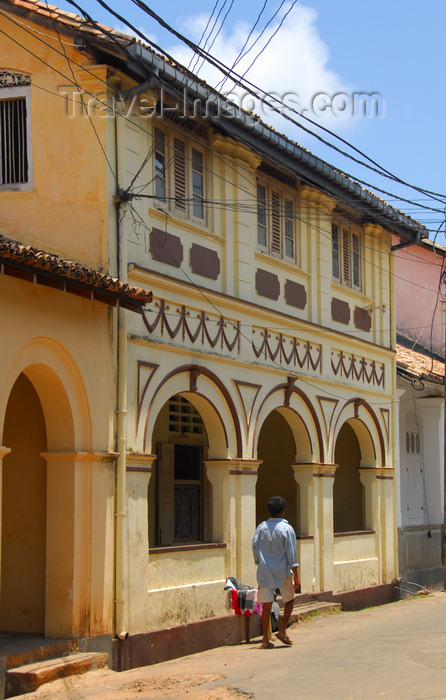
(276, 505)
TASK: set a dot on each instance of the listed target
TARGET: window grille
(13, 142)
(184, 418)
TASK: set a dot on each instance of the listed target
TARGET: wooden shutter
(345, 257)
(179, 173)
(165, 493)
(275, 223)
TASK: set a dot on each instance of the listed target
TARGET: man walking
(275, 555)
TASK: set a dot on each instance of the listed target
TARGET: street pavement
(396, 651)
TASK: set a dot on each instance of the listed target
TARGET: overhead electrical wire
(139, 3)
(225, 70)
(204, 31)
(241, 54)
(214, 39)
(75, 83)
(291, 7)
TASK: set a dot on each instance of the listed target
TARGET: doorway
(23, 543)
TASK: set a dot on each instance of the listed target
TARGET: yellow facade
(259, 367)
(56, 377)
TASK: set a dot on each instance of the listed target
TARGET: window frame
(276, 221)
(181, 176)
(346, 254)
(10, 93)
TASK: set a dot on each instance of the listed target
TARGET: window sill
(187, 547)
(354, 532)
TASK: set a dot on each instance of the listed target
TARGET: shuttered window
(275, 222)
(179, 174)
(262, 238)
(346, 256)
(160, 165)
(197, 184)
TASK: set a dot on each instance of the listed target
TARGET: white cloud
(294, 66)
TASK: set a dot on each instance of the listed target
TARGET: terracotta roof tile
(38, 261)
(419, 364)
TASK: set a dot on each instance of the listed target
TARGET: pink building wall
(417, 273)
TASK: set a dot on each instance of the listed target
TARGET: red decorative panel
(340, 311)
(204, 261)
(295, 294)
(165, 247)
(362, 319)
(267, 284)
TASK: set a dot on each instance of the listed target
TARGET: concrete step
(27, 678)
(304, 609)
(41, 650)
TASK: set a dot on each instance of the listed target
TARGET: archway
(277, 450)
(23, 545)
(179, 495)
(348, 492)
(46, 432)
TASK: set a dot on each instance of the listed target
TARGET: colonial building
(263, 365)
(420, 391)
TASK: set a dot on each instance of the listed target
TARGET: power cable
(225, 70)
(204, 31)
(56, 29)
(139, 3)
(291, 7)
(241, 54)
(74, 82)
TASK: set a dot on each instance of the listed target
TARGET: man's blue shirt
(275, 552)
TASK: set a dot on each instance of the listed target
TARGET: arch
(297, 409)
(61, 390)
(364, 421)
(23, 512)
(348, 491)
(210, 397)
(276, 452)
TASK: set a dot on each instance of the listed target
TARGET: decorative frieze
(198, 328)
(287, 350)
(10, 79)
(351, 366)
(194, 327)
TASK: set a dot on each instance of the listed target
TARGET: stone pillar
(323, 475)
(306, 546)
(303, 473)
(138, 472)
(385, 479)
(234, 512)
(3, 452)
(378, 485)
(100, 469)
(79, 544)
(397, 410)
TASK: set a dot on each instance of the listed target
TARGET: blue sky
(393, 50)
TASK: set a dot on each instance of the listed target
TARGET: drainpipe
(121, 428)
